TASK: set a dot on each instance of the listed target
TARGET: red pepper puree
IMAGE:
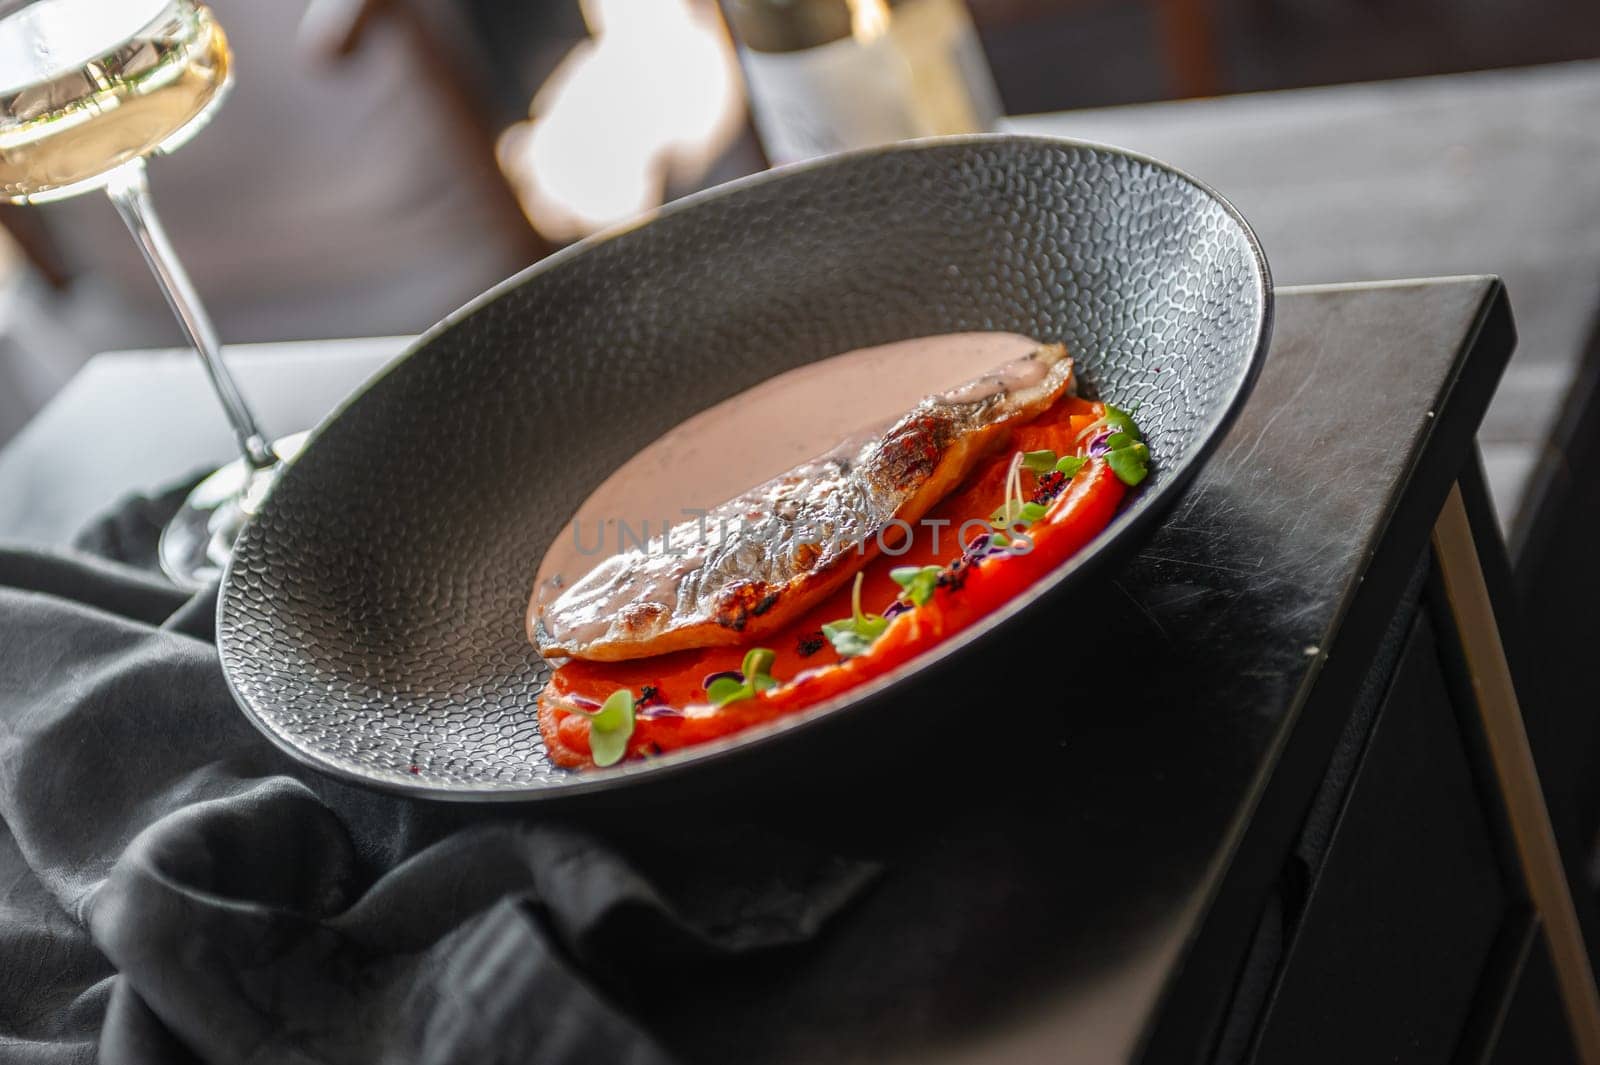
(672, 708)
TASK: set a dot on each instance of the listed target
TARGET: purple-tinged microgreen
(610, 727)
(918, 582)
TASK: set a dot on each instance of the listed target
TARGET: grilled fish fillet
(752, 564)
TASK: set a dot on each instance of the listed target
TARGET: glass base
(198, 540)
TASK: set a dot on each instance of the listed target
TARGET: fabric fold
(177, 889)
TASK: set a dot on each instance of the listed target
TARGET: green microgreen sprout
(1117, 420)
(1040, 462)
(1006, 514)
(1130, 464)
(855, 634)
(1126, 452)
(918, 582)
(610, 727)
(725, 690)
(1009, 513)
(1122, 422)
(1017, 510)
(756, 669)
(1069, 465)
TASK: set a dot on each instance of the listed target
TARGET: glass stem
(129, 189)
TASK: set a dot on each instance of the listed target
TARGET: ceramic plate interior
(371, 622)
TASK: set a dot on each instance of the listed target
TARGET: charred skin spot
(739, 602)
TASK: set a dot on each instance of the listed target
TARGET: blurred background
(376, 165)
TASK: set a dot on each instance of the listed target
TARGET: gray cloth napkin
(173, 888)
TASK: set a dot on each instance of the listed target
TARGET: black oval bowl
(371, 622)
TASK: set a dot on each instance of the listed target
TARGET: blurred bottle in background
(825, 76)
(641, 109)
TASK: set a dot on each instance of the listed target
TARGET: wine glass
(88, 90)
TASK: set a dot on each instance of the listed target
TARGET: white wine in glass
(88, 90)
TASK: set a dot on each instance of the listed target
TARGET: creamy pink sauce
(762, 432)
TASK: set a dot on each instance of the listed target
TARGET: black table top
(1087, 895)
(1411, 178)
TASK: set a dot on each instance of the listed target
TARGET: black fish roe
(648, 694)
(1049, 487)
(810, 644)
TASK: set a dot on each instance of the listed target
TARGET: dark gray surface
(1061, 881)
(373, 617)
(1475, 173)
(1053, 894)
(139, 421)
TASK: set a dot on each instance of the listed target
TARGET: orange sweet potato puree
(677, 714)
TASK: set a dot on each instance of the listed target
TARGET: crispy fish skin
(753, 563)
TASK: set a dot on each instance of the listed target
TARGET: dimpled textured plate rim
(371, 621)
